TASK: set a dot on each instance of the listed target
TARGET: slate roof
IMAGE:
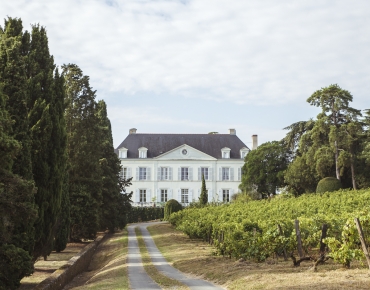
(158, 144)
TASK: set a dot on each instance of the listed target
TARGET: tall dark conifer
(84, 152)
(48, 138)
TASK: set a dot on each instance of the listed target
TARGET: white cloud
(240, 51)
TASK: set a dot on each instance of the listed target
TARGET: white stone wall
(215, 185)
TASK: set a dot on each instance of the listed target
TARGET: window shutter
(210, 174)
(210, 196)
(129, 173)
(231, 192)
(158, 195)
(239, 174)
(220, 197)
(190, 173)
(170, 194)
(231, 174)
(148, 173)
(190, 198)
(220, 174)
(148, 196)
(159, 177)
(179, 195)
(199, 174)
(137, 195)
(179, 176)
(169, 173)
(137, 173)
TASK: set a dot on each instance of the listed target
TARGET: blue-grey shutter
(190, 197)
(179, 195)
(158, 195)
(210, 195)
(137, 173)
(239, 174)
(220, 174)
(190, 173)
(210, 174)
(179, 176)
(170, 194)
(148, 196)
(169, 173)
(137, 195)
(231, 174)
(199, 174)
(148, 173)
(159, 177)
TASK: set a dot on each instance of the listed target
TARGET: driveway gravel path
(159, 262)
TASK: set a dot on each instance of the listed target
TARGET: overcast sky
(179, 66)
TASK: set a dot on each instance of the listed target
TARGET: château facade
(170, 166)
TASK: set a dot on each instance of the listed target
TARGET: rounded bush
(328, 184)
(171, 206)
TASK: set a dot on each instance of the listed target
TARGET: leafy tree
(264, 168)
(203, 198)
(336, 112)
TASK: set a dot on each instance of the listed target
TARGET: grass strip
(108, 268)
(164, 281)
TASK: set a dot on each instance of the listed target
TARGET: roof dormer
(143, 152)
(243, 152)
(225, 153)
(122, 152)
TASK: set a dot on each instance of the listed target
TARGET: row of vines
(257, 230)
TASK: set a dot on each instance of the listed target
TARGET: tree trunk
(337, 172)
(353, 171)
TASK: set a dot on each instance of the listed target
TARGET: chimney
(255, 142)
(232, 131)
(132, 131)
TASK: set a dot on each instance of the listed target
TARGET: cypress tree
(115, 206)
(203, 198)
(85, 173)
(48, 138)
(17, 209)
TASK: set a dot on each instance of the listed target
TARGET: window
(164, 173)
(124, 173)
(164, 195)
(184, 195)
(204, 172)
(142, 173)
(225, 153)
(142, 195)
(142, 152)
(225, 195)
(184, 173)
(225, 173)
(122, 152)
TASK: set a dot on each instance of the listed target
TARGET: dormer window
(122, 152)
(143, 152)
(225, 153)
(243, 152)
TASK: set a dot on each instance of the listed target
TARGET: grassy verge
(108, 268)
(157, 276)
(196, 257)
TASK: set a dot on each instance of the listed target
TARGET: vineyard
(256, 230)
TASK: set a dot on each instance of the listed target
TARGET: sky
(199, 66)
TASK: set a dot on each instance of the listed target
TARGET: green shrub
(328, 184)
(171, 206)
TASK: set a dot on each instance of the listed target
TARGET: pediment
(184, 152)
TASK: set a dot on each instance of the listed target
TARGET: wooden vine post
(323, 236)
(362, 239)
(299, 240)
